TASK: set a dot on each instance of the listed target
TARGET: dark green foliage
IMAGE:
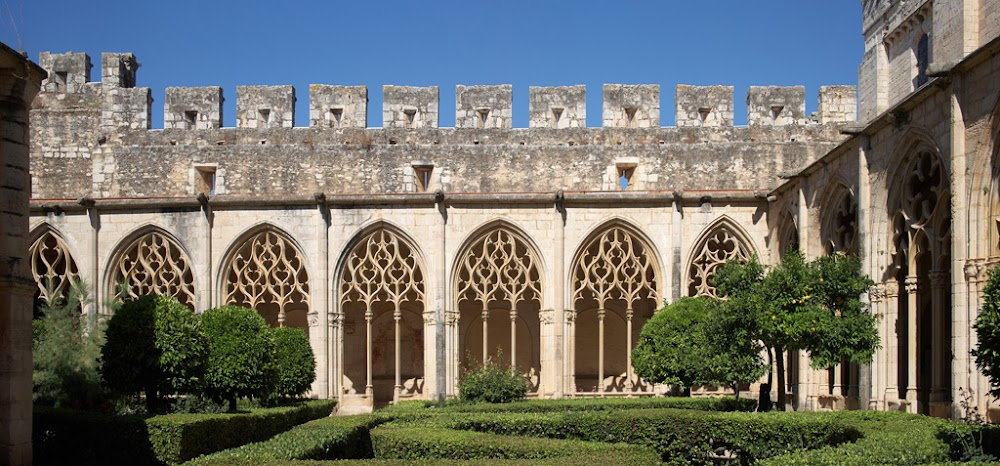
(80, 438)
(155, 345)
(295, 360)
(598, 404)
(65, 356)
(798, 305)
(987, 351)
(493, 382)
(328, 438)
(241, 351)
(692, 342)
(397, 441)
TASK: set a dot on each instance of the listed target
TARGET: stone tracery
(840, 223)
(381, 275)
(614, 275)
(267, 272)
(722, 243)
(52, 267)
(153, 263)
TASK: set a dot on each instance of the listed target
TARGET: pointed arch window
(267, 270)
(154, 263)
(52, 267)
(722, 243)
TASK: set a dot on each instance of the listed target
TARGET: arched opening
(838, 232)
(498, 296)
(267, 272)
(152, 263)
(921, 236)
(382, 301)
(615, 291)
(53, 268)
(722, 242)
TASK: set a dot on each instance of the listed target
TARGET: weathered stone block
(631, 106)
(118, 69)
(557, 107)
(776, 105)
(265, 106)
(192, 108)
(837, 104)
(410, 107)
(483, 106)
(68, 72)
(338, 106)
(706, 106)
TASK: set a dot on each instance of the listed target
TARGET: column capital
(430, 317)
(877, 293)
(570, 315)
(891, 289)
(911, 284)
(547, 316)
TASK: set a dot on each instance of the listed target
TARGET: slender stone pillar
(628, 348)
(486, 334)
(398, 387)
(892, 355)
(912, 290)
(513, 336)
(600, 350)
(940, 286)
(368, 352)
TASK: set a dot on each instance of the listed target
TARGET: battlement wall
(477, 107)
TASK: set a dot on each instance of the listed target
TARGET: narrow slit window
(776, 112)
(556, 116)
(336, 117)
(483, 116)
(191, 117)
(265, 118)
(205, 180)
(625, 172)
(923, 59)
(422, 177)
(703, 115)
(62, 80)
(630, 117)
(408, 117)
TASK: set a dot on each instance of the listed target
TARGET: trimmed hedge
(75, 437)
(419, 442)
(605, 404)
(329, 438)
(679, 436)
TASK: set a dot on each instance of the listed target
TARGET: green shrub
(65, 362)
(240, 354)
(420, 442)
(608, 404)
(987, 350)
(63, 436)
(329, 438)
(295, 361)
(493, 382)
(154, 344)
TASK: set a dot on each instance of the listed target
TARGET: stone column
(486, 332)
(865, 382)
(398, 387)
(964, 307)
(912, 290)
(368, 352)
(19, 82)
(892, 331)
(513, 335)
(940, 284)
(570, 342)
(600, 350)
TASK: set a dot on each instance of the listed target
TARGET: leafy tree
(295, 360)
(493, 382)
(65, 354)
(799, 305)
(987, 351)
(241, 350)
(155, 345)
(692, 342)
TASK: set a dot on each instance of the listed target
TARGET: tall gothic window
(722, 243)
(268, 273)
(839, 229)
(153, 263)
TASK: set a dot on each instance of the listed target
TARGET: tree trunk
(770, 367)
(232, 404)
(779, 354)
(151, 399)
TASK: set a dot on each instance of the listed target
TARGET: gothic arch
(919, 208)
(720, 241)
(497, 278)
(788, 233)
(151, 260)
(989, 161)
(265, 269)
(380, 280)
(53, 266)
(839, 219)
(615, 286)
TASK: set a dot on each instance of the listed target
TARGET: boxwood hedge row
(74, 437)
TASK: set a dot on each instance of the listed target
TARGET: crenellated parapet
(629, 106)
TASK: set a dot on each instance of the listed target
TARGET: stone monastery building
(410, 251)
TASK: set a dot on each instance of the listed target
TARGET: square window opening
(422, 177)
(205, 180)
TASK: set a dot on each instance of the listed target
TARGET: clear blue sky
(444, 43)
